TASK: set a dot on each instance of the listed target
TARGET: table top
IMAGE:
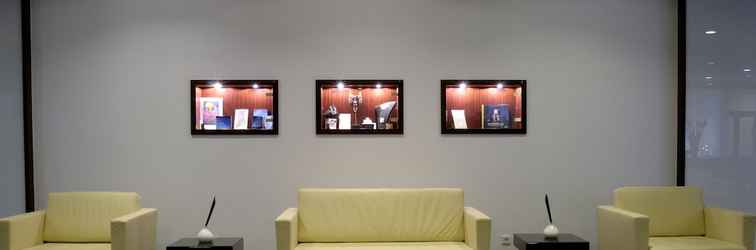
(194, 243)
(541, 238)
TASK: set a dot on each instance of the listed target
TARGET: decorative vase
(551, 231)
(205, 236)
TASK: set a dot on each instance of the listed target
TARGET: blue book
(258, 118)
(496, 116)
(223, 122)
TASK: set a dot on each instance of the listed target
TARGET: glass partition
(720, 101)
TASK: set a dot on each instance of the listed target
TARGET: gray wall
(112, 89)
(11, 128)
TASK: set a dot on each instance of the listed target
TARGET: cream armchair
(82, 221)
(670, 218)
(380, 219)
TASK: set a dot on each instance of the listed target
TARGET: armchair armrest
(134, 231)
(729, 225)
(286, 230)
(22, 231)
(477, 229)
(621, 229)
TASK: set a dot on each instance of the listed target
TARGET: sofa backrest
(380, 215)
(672, 211)
(85, 216)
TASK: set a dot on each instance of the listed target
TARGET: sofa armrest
(134, 231)
(286, 230)
(730, 225)
(477, 229)
(621, 229)
(22, 231)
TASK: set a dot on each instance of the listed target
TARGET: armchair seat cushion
(385, 246)
(691, 243)
(71, 246)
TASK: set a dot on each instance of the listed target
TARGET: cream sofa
(82, 221)
(670, 218)
(382, 219)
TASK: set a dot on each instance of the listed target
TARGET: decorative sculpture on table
(355, 100)
(551, 231)
(204, 235)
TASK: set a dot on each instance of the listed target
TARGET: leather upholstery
(135, 231)
(477, 229)
(385, 246)
(664, 211)
(673, 211)
(21, 231)
(71, 246)
(380, 215)
(691, 243)
(729, 225)
(85, 216)
(131, 231)
(286, 230)
(382, 219)
(621, 229)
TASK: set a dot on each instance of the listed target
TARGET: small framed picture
(210, 108)
(241, 119)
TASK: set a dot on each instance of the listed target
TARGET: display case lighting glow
(499, 85)
(340, 85)
(711, 32)
(254, 86)
(462, 85)
(708, 77)
(378, 85)
(747, 70)
(217, 85)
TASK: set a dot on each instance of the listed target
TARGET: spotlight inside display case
(483, 107)
(229, 107)
(359, 107)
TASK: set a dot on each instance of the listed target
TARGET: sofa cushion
(85, 216)
(691, 243)
(380, 215)
(672, 211)
(71, 246)
(385, 246)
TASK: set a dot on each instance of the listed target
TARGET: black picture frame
(453, 83)
(325, 83)
(270, 84)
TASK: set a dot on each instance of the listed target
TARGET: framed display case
(483, 107)
(234, 107)
(359, 107)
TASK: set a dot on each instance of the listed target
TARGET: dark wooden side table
(217, 244)
(540, 242)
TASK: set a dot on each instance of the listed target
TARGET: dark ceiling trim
(681, 88)
(27, 102)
